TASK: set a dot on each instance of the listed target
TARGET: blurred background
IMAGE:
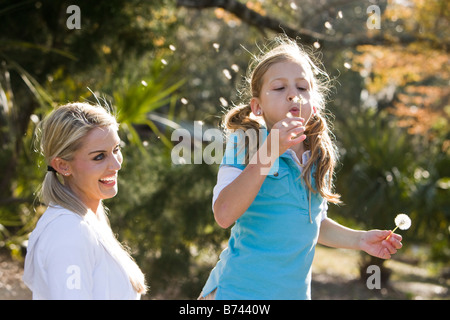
(166, 64)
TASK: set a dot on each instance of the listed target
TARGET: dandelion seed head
(402, 221)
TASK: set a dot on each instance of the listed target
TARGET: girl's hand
(289, 131)
(374, 243)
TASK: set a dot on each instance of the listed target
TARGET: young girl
(72, 253)
(277, 196)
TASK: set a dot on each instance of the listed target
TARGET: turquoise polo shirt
(271, 246)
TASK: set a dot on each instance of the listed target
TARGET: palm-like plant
(136, 100)
(376, 177)
(377, 168)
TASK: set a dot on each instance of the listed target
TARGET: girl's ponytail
(324, 155)
(239, 118)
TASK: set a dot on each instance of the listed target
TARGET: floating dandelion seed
(34, 118)
(297, 99)
(402, 221)
(223, 101)
(227, 74)
(216, 46)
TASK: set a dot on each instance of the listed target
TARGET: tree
(44, 63)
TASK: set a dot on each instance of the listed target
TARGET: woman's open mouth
(109, 181)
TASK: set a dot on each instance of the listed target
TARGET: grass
(336, 276)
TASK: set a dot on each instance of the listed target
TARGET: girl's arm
(235, 198)
(373, 242)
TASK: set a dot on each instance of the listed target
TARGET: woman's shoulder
(57, 216)
(60, 226)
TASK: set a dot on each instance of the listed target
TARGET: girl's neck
(299, 149)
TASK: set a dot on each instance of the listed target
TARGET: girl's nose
(292, 97)
(292, 94)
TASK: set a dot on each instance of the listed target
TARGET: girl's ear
(255, 106)
(61, 165)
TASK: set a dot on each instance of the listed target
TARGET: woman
(72, 253)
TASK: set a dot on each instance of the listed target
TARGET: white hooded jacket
(66, 260)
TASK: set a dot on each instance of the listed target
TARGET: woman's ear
(255, 106)
(61, 166)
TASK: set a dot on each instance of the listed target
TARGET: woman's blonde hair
(61, 134)
(323, 150)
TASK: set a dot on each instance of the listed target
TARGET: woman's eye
(101, 156)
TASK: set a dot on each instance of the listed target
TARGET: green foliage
(383, 173)
(376, 175)
(134, 101)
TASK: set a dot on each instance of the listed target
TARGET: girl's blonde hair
(61, 134)
(323, 150)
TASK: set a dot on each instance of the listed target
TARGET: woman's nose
(116, 162)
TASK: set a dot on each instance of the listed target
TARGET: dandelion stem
(390, 234)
